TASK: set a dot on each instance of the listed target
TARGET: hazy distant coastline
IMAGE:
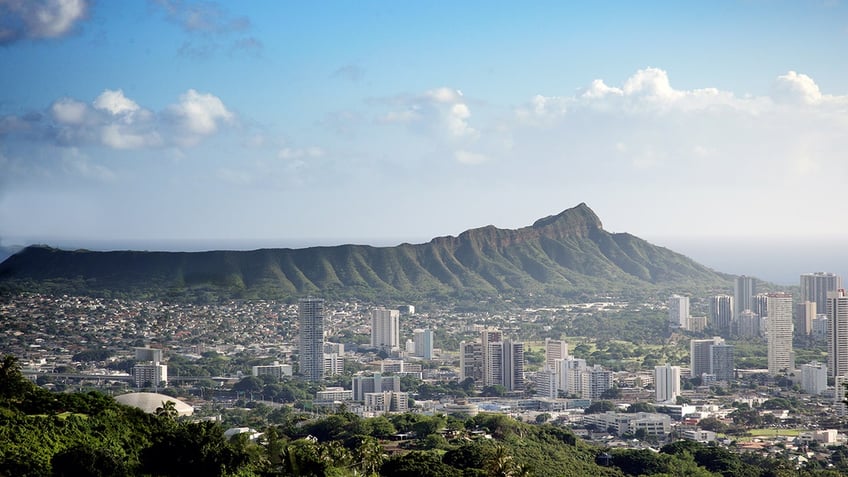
(780, 261)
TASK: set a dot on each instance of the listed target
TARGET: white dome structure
(149, 402)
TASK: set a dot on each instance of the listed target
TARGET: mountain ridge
(560, 255)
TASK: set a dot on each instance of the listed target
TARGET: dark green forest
(43, 433)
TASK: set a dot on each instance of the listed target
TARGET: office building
(837, 333)
(311, 322)
(678, 312)
(781, 357)
(804, 314)
(744, 290)
(721, 314)
(423, 342)
(385, 329)
(667, 383)
(815, 287)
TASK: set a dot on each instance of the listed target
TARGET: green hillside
(565, 255)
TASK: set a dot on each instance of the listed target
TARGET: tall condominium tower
(721, 314)
(700, 359)
(804, 314)
(554, 350)
(385, 329)
(743, 294)
(780, 354)
(837, 333)
(667, 382)
(678, 312)
(815, 286)
(423, 340)
(311, 320)
(722, 362)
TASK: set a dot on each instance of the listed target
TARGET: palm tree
(168, 410)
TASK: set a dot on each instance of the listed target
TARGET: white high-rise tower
(385, 329)
(311, 321)
(780, 353)
(837, 333)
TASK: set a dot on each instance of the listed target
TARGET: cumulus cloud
(200, 113)
(116, 103)
(796, 88)
(116, 121)
(39, 19)
(441, 111)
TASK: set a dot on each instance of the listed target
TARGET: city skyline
(186, 121)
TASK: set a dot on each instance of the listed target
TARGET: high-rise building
(760, 305)
(815, 286)
(820, 326)
(814, 377)
(375, 383)
(700, 361)
(495, 360)
(780, 354)
(721, 314)
(471, 361)
(546, 383)
(722, 362)
(743, 294)
(513, 360)
(554, 350)
(748, 325)
(837, 333)
(571, 376)
(804, 314)
(151, 374)
(667, 382)
(678, 312)
(423, 340)
(596, 380)
(385, 329)
(311, 321)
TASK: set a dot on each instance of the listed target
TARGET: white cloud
(69, 112)
(121, 137)
(796, 88)
(200, 113)
(115, 103)
(39, 19)
(116, 121)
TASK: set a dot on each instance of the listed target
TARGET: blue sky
(293, 123)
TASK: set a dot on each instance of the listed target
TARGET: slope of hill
(567, 254)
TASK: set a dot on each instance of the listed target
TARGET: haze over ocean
(779, 260)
